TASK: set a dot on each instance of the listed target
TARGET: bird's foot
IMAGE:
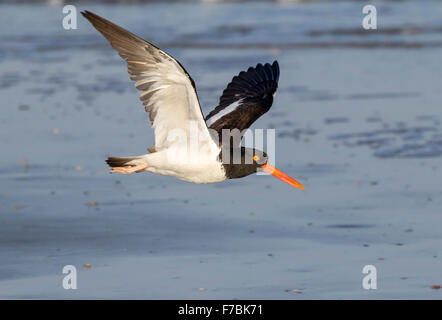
(130, 169)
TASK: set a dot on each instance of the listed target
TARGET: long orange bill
(281, 176)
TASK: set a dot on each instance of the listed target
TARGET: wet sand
(358, 125)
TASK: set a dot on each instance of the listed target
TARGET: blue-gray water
(357, 117)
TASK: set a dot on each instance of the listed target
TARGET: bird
(188, 145)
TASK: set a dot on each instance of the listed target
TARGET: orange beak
(281, 176)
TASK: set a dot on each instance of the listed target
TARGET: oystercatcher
(187, 145)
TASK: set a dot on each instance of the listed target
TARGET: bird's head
(241, 162)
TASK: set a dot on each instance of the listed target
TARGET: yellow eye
(256, 158)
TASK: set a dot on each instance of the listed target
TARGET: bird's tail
(122, 162)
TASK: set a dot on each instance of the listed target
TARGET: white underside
(208, 173)
(202, 167)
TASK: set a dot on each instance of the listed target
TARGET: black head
(241, 162)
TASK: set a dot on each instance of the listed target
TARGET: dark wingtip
(86, 14)
(275, 67)
(258, 82)
(92, 16)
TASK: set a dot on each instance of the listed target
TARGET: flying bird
(187, 145)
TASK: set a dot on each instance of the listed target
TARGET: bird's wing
(247, 97)
(166, 89)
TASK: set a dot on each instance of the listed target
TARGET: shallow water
(357, 117)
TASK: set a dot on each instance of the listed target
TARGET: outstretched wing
(166, 90)
(247, 97)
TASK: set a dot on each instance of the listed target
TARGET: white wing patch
(223, 112)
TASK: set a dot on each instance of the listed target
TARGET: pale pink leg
(129, 169)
